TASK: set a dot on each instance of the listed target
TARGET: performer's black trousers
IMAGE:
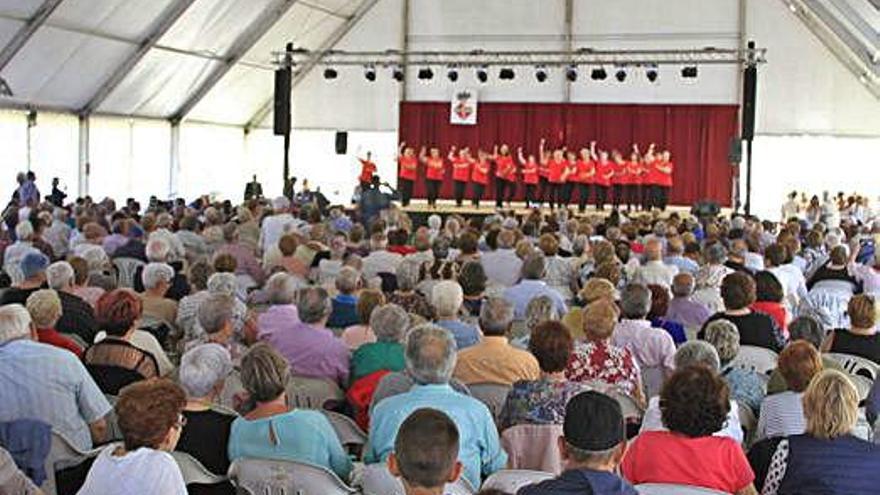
(406, 190)
(433, 191)
(459, 187)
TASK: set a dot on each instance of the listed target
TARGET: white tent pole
(25, 32)
(174, 161)
(83, 174)
(569, 40)
(404, 43)
(317, 55)
(167, 19)
(242, 45)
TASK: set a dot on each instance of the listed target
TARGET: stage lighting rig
(330, 73)
(370, 73)
(506, 74)
(540, 74)
(651, 73)
(397, 74)
(426, 74)
(571, 73)
(482, 75)
(620, 75)
(598, 74)
(689, 72)
(452, 75)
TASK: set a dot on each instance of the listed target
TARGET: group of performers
(553, 176)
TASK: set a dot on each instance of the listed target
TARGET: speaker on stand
(281, 108)
(747, 134)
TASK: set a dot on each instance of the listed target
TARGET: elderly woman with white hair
(157, 279)
(15, 252)
(161, 249)
(408, 275)
(77, 316)
(281, 292)
(446, 300)
(203, 372)
(44, 307)
(746, 386)
(244, 322)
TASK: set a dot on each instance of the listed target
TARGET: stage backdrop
(698, 136)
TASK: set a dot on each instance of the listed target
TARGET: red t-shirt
(554, 173)
(635, 170)
(621, 176)
(585, 170)
(368, 168)
(570, 171)
(480, 172)
(530, 173)
(652, 177)
(503, 166)
(603, 169)
(52, 337)
(711, 462)
(434, 168)
(544, 170)
(408, 167)
(663, 178)
(461, 169)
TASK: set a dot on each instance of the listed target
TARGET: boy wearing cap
(425, 453)
(592, 446)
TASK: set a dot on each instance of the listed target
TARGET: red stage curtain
(697, 135)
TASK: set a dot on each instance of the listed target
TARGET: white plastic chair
(628, 405)
(856, 365)
(270, 477)
(525, 443)
(511, 480)
(377, 480)
(670, 489)
(313, 393)
(863, 385)
(63, 454)
(347, 430)
(194, 472)
(494, 395)
(828, 304)
(125, 271)
(748, 422)
(757, 359)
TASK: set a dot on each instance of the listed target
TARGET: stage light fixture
(689, 72)
(571, 73)
(506, 74)
(426, 74)
(370, 74)
(651, 74)
(397, 74)
(330, 73)
(452, 75)
(540, 74)
(482, 75)
(598, 74)
(620, 75)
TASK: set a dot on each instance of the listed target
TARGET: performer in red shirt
(406, 175)
(504, 168)
(649, 177)
(433, 173)
(555, 168)
(545, 190)
(368, 168)
(664, 180)
(511, 176)
(634, 170)
(480, 176)
(568, 177)
(604, 173)
(461, 172)
(586, 173)
(530, 175)
(619, 180)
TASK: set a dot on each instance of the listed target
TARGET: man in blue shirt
(592, 446)
(430, 360)
(531, 286)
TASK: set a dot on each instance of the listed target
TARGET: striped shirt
(782, 414)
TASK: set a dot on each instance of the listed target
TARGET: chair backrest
(628, 405)
(377, 480)
(828, 305)
(125, 271)
(63, 454)
(347, 430)
(194, 472)
(863, 385)
(669, 489)
(748, 422)
(533, 447)
(652, 380)
(233, 391)
(511, 480)
(856, 365)
(270, 477)
(494, 395)
(313, 393)
(754, 358)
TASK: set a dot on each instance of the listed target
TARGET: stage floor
(419, 207)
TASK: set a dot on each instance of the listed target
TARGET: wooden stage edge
(448, 207)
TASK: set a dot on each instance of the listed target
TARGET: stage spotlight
(571, 73)
(452, 75)
(598, 74)
(506, 74)
(370, 74)
(651, 74)
(482, 75)
(540, 74)
(330, 73)
(397, 74)
(426, 74)
(689, 72)
(620, 75)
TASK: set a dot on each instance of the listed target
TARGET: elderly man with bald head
(654, 271)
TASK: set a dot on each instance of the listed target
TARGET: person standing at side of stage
(586, 176)
(434, 172)
(480, 176)
(408, 166)
(531, 176)
(461, 172)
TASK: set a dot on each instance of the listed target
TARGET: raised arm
(542, 152)
(451, 155)
(400, 148)
(520, 157)
(423, 154)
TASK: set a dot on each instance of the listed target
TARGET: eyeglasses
(181, 421)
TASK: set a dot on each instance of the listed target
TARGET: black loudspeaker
(735, 151)
(281, 124)
(341, 142)
(750, 91)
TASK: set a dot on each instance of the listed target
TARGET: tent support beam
(404, 44)
(242, 45)
(174, 161)
(83, 171)
(25, 32)
(569, 40)
(316, 57)
(167, 19)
